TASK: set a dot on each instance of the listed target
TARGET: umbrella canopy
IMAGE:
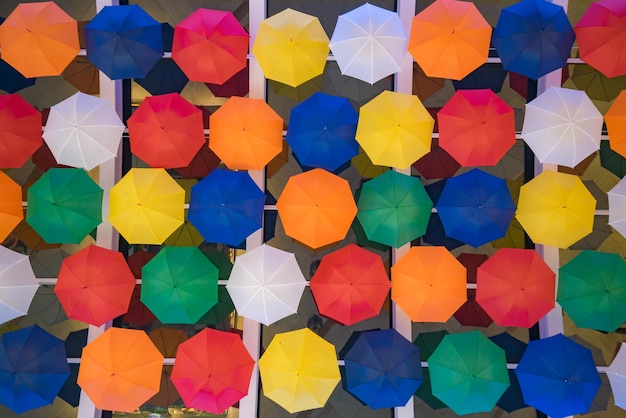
(212, 370)
(595, 84)
(83, 131)
(487, 76)
(64, 205)
(316, 208)
(200, 165)
(179, 285)
(558, 376)
(20, 131)
(449, 39)
(165, 77)
(394, 209)
(237, 85)
(394, 129)
(617, 377)
(476, 127)
(516, 287)
(210, 46)
(18, 284)
(11, 212)
(562, 126)
(556, 209)
(617, 205)
(471, 313)
(291, 47)
(266, 284)
(146, 206)
(120, 369)
(299, 370)
(39, 39)
(83, 75)
(615, 119)
(224, 306)
(437, 164)
(12, 80)
(369, 43)
(138, 314)
(350, 285)
(428, 284)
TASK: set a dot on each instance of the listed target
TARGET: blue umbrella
(165, 77)
(558, 376)
(33, 367)
(383, 369)
(475, 207)
(124, 41)
(12, 80)
(226, 206)
(533, 37)
(487, 76)
(321, 131)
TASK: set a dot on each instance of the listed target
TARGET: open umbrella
(83, 75)
(615, 119)
(224, 306)
(595, 84)
(200, 165)
(299, 370)
(20, 131)
(166, 340)
(487, 76)
(237, 85)
(617, 376)
(424, 86)
(17, 284)
(11, 80)
(617, 203)
(165, 77)
(437, 163)
(138, 314)
(11, 212)
(471, 313)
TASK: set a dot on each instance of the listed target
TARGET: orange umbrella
(316, 208)
(11, 212)
(615, 120)
(428, 283)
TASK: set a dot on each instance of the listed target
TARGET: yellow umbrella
(146, 206)
(299, 370)
(556, 209)
(395, 129)
(291, 47)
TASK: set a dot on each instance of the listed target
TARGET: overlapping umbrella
(20, 131)
(615, 119)
(617, 376)
(11, 212)
(138, 314)
(165, 77)
(17, 284)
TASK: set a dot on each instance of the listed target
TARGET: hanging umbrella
(424, 86)
(212, 370)
(146, 206)
(617, 203)
(83, 131)
(350, 285)
(11, 212)
(83, 75)
(365, 167)
(64, 205)
(394, 209)
(558, 376)
(266, 284)
(299, 370)
(166, 340)
(615, 119)
(179, 285)
(45, 307)
(120, 369)
(20, 131)
(316, 208)
(595, 84)
(224, 306)
(617, 376)
(437, 164)
(487, 76)
(11, 80)
(245, 133)
(449, 39)
(556, 209)
(17, 284)
(428, 284)
(138, 314)
(200, 165)
(39, 39)
(165, 77)
(291, 47)
(471, 313)
(237, 85)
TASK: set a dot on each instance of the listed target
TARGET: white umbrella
(83, 131)
(266, 284)
(617, 207)
(617, 377)
(562, 126)
(369, 43)
(17, 284)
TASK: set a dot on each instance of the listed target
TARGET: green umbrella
(595, 84)
(394, 209)
(592, 290)
(224, 305)
(612, 160)
(64, 205)
(468, 372)
(179, 285)
(428, 343)
(425, 392)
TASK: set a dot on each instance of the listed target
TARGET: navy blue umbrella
(12, 80)
(165, 77)
(487, 76)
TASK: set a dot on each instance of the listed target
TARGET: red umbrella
(237, 85)
(20, 131)
(350, 284)
(201, 165)
(138, 314)
(437, 164)
(471, 314)
(212, 370)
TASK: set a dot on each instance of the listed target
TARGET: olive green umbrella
(224, 305)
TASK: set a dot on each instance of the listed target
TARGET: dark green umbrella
(428, 343)
(224, 305)
(612, 160)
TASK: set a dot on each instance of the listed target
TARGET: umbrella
(291, 47)
(179, 285)
(138, 314)
(516, 287)
(226, 207)
(471, 313)
(615, 119)
(592, 291)
(17, 284)
(617, 376)
(95, 285)
(299, 370)
(146, 206)
(437, 163)
(612, 161)
(83, 131)
(394, 209)
(476, 127)
(424, 86)
(33, 368)
(617, 202)
(350, 285)
(83, 75)
(200, 165)
(45, 307)
(468, 372)
(321, 131)
(558, 376)
(123, 41)
(11, 212)
(224, 306)
(165, 77)
(39, 39)
(449, 39)
(120, 369)
(595, 84)
(266, 284)
(533, 37)
(487, 76)
(64, 205)
(383, 369)
(556, 209)
(210, 46)
(166, 131)
(20, 131)
(428, 284)
(237, 85)
(246, 133)
(11, 80)
(365, 167)
(316, 208)
(369, 43)
(166, 340)
(212, 370)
